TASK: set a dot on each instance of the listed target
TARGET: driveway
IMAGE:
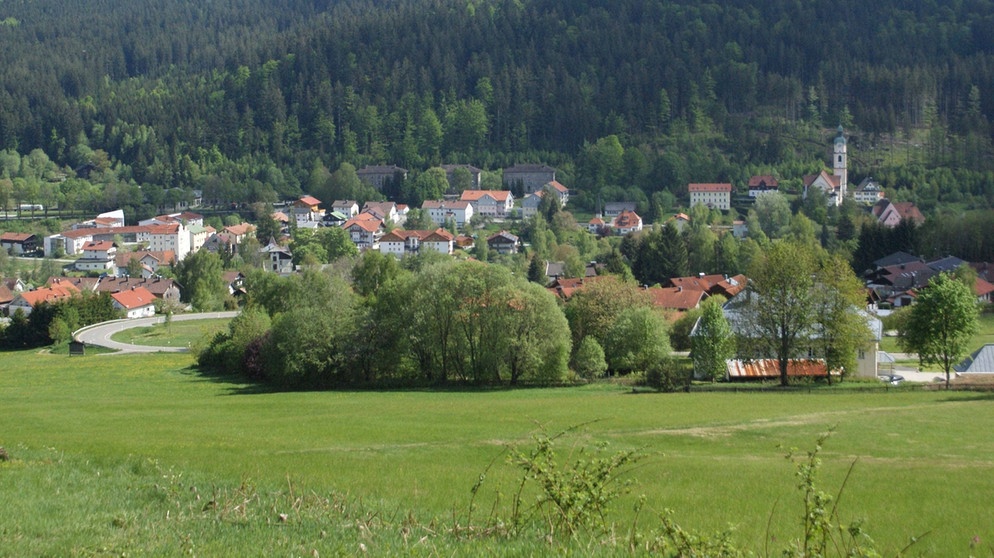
(99, 334)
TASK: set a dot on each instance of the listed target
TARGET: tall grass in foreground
(97, 441)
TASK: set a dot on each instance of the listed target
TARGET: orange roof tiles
(49, 294)
(475, 195)
(134, 298)
(710, 187)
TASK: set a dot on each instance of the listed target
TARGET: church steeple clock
(840, 163)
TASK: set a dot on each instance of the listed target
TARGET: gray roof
(980, 362)
(897, 258)
(949, 263)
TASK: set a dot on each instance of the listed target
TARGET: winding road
(99, 334)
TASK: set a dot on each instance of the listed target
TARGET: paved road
(99, 334)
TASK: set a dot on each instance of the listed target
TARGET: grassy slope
(182, 334)
(985, 334)
(146, 420)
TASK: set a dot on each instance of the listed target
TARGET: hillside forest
(108, 104)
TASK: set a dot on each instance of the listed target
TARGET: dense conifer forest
(250, 100)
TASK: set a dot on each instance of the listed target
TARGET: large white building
(441, 211)
(713, 195)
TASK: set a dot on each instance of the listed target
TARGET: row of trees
(54, 322)
(432, 322)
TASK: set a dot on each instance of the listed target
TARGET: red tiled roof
(475, 195)
(710, 187)
(626, 219)
(982, 288)
(439, 235)
(676, 298)
(157, 286)
(766, 180)
(83, 233)
(49, 294)
(15, 237)
(240, 229)
(309, 200)
(134, 298)
(555, 185)
(908, 210)
(172, 228)
(102, 246)
(164, 257)
(6, 295)
(367, 223)
(835, 181)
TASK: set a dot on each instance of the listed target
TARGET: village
(132, 262)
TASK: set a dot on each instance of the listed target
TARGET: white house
(307, 210)
(279, 259)
(626, 222)
(27, 300)
(136, 302)
(175, 237)
(18, 243)
(400, 242)
(365, 230)
(868, 192)
(69, 242)
(349, 208)
(98, 256)
(385, 211)
(441, 211)
(763, 184)
(490, 203)
(713, 195)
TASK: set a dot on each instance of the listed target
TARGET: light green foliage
(372, 271)
(637, 340)
(589, 361)
(594, 309)
(838, 297)
(201, 281)
(941, 323)
(773, 212)
(778, 307)
(574, 497)
(713, 342)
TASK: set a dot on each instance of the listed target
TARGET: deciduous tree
(712, 343)
(941, 323)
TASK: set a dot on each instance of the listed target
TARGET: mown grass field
(115, 454)
(176, 334)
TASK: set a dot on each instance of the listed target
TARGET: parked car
(892, 379)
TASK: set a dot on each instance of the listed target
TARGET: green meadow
(126, 455)
(175, 334)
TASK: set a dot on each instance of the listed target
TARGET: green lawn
(140, 454)
(176, 334)
(985, 335)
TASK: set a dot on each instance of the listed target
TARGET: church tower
(840, 163)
